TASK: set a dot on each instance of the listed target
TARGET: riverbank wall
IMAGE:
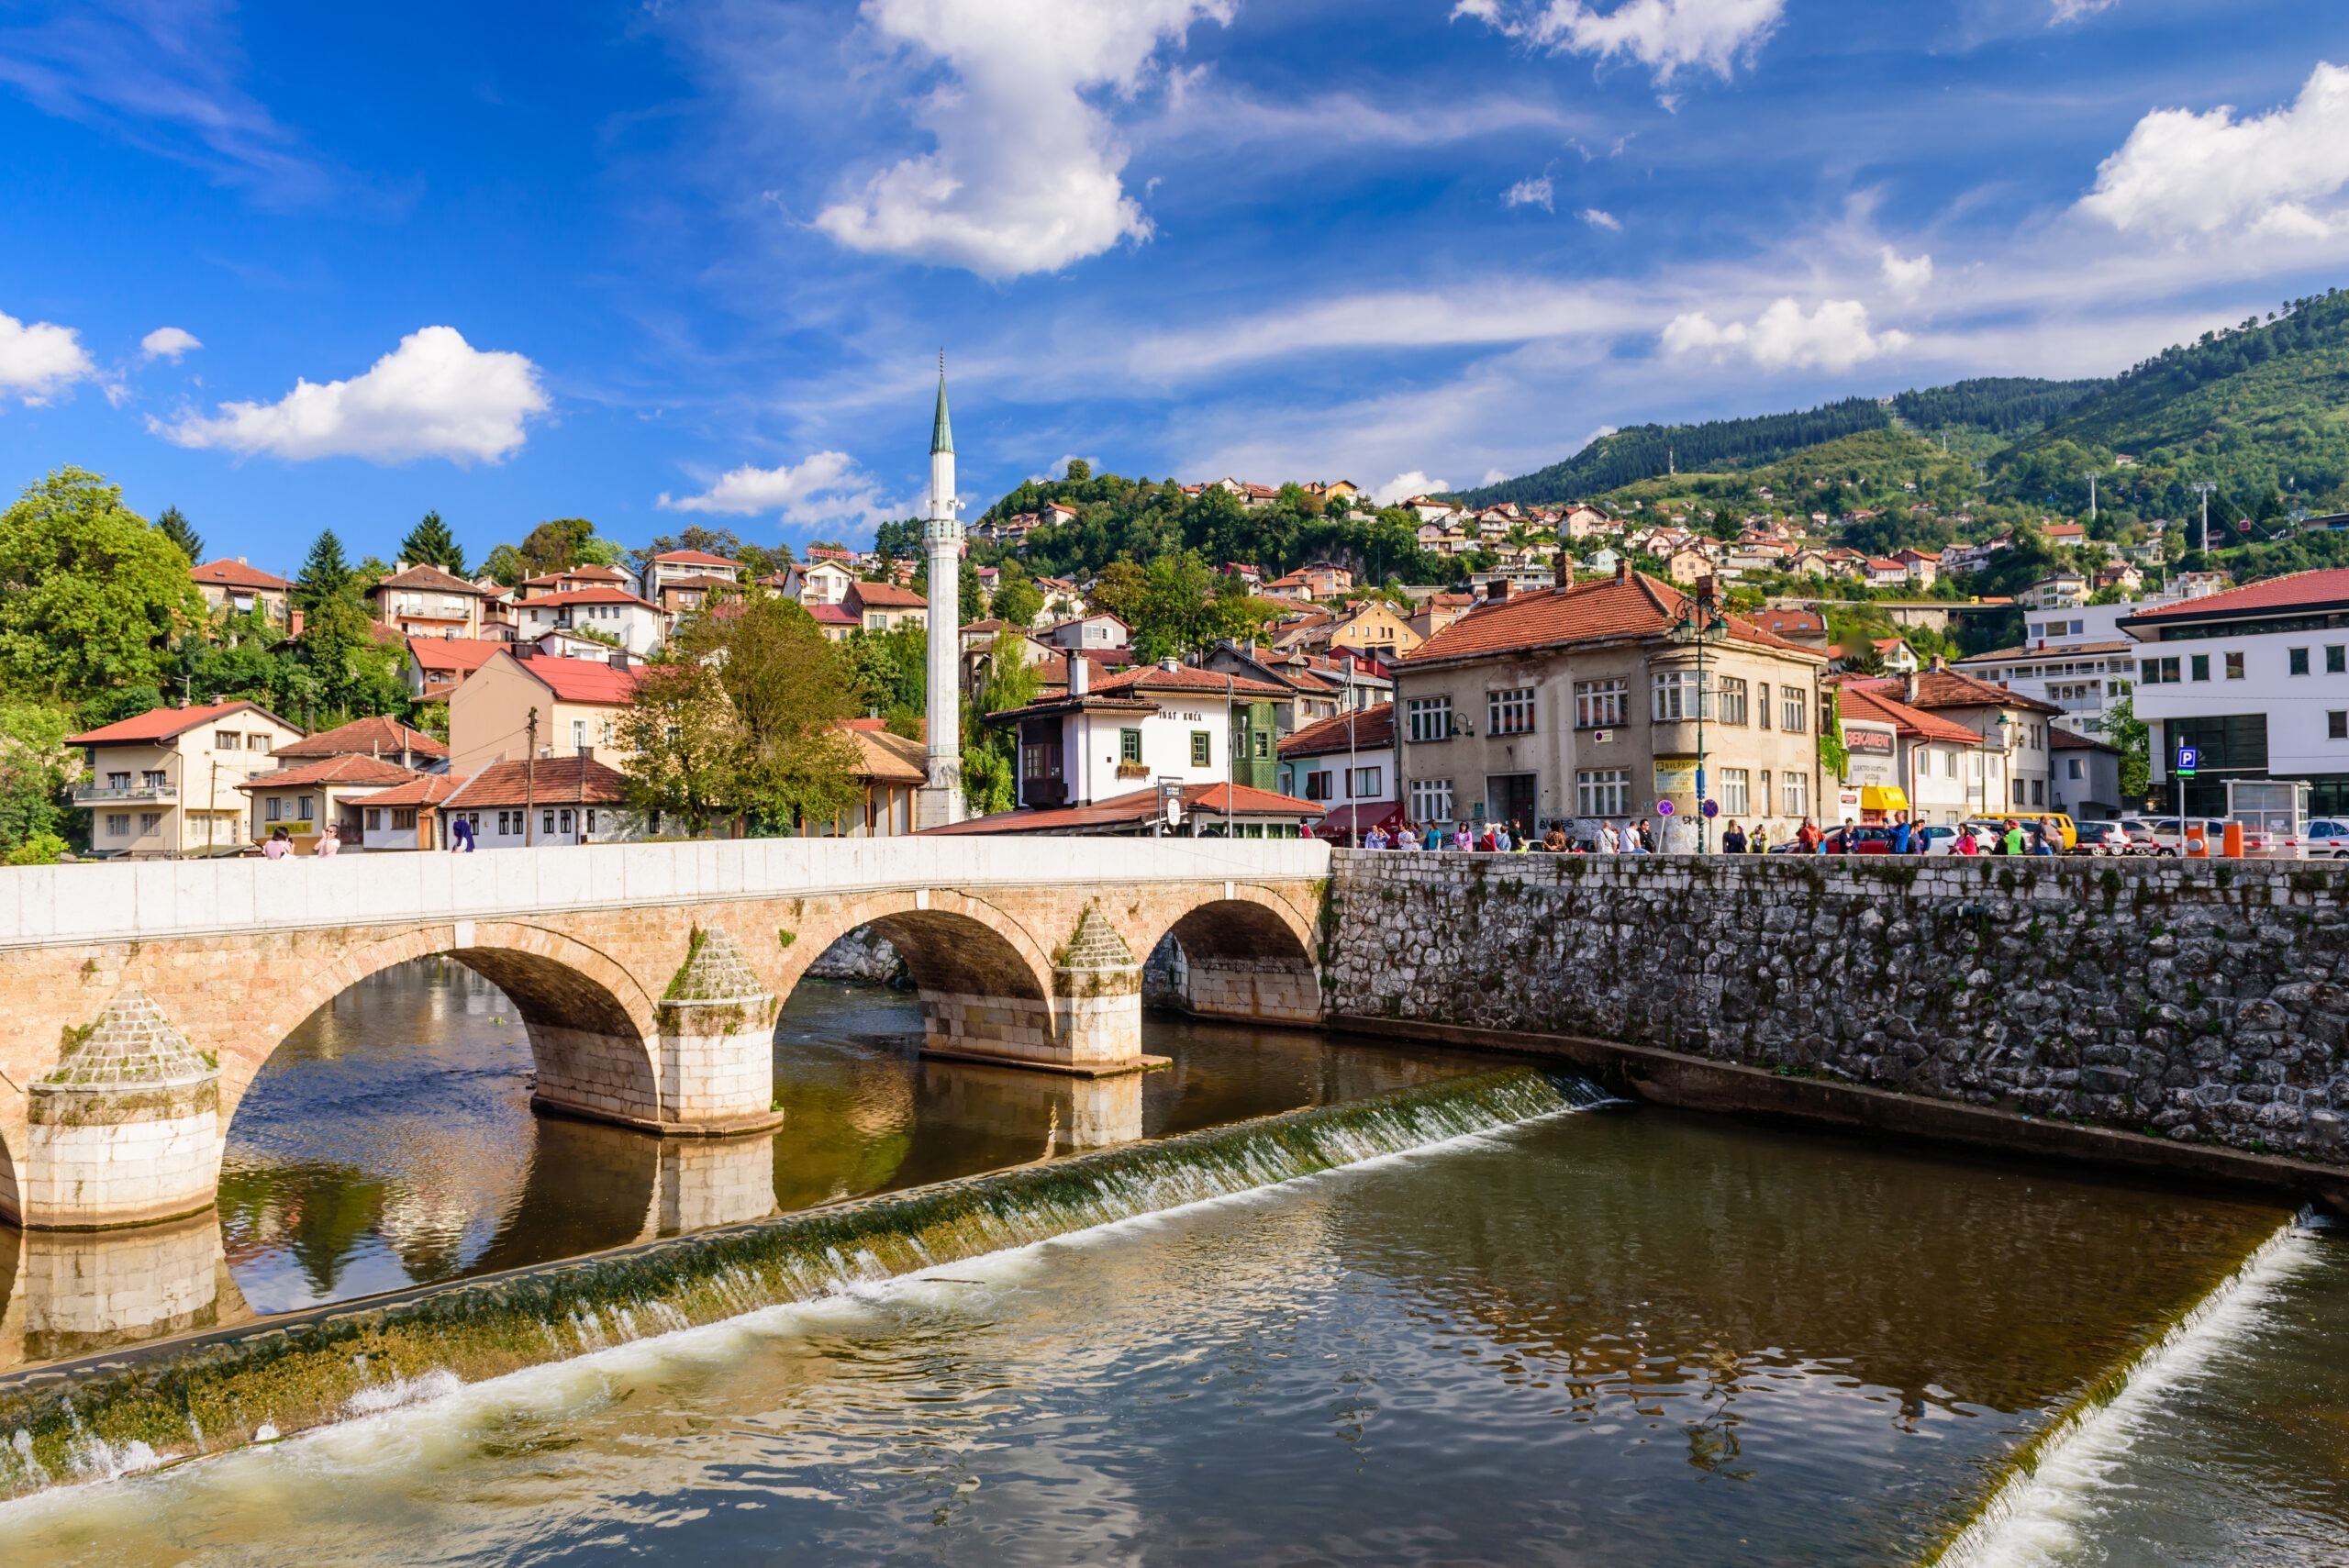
(2204, 1005)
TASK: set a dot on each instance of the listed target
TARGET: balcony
(116, 795)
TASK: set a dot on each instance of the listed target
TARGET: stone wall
(2203, 1001)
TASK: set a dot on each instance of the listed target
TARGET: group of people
(280, 843)
(1639, 838)
(1635, 838)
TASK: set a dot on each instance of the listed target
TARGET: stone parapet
(2196, 1001)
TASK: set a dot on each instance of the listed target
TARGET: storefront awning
(1883, 798)
(1347, 824)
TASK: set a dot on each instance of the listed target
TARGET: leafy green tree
(35, 819)
(791, 691)
(684, 743)
(2121, 726)
(890, 671)
(431, 543)
(91, 595)
(176, 527)
(1017, 600)
(505, 564)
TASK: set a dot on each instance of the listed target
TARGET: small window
(566, 822)
(1368, 783)
(2072, 768)
(1432, 800)
(117, 823)
(2296, 661)
(256, 743)
(374, 819)
(2336, 660)
(404, 818)
(272, 808)
(1509, 712)
(546, 822)
(1202, 749)
(1431, 718)
(2235, 666)
(1261, 747)
(1129, 745)
(1761, 708)
(2201, 665)
(227, 739)
(149, 821)
(2336, 726)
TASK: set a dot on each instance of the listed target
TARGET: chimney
(1908, 687)
(1496, 590)
(241, 561)
(1080, 675)
(1623, 569)
(616, 661)
(526, 650)
(398, 566)
(586, 755)
(1940, 663)
(1170, 663)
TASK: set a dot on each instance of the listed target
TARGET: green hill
(1644, 451)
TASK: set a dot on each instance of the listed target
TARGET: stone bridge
(142, 999)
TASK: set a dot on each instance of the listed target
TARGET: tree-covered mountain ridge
(2255, 408)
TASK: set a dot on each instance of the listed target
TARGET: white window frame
(1794, 791)
(1737, 792)
(1602, 705)
(1509, 711)
(1432, 800)
(1603, 792)
(1431, 717)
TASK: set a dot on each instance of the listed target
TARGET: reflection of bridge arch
(1248, 954)
(591, 1026)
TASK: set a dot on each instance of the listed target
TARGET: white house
(1347, 764)
(1158, 724)
(630, 623)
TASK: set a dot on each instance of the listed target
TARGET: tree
(176, 527)
(709, 542)
(791, 693)
(1079, 471)
(990, 778)
(431, 543)
(1017, 600)
(684, 743)
(35, 818)
(2121, 726)
(326, 573)
(349, 674)
(90, 596)
(890, 671)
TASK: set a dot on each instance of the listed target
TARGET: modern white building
(610, 616)
(2256, 679)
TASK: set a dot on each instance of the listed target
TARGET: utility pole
(531, 780)
(2203, 488)
(1353, 812)
(2091, 476)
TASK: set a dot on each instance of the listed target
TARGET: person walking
(1901, 833)
(2040, 844)
(1965, 843)
(460, 835)
(2010, 839)
(1463, 838)
(1434, 838)
(1732, 839)
(1610, 841)
(1806, 837)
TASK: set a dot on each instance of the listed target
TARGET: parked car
(2327, 836)
(1855, 840)
(2164, 836)
(1940, 837)
(2104, 839)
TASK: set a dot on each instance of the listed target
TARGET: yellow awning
(1883, 798)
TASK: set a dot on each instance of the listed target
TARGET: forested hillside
(2003, 406)
(1643, 451)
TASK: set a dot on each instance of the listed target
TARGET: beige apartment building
(168, 783)
(239, 588)
(424, 601)
(577, 705)
(1579, 704)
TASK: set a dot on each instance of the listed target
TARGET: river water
(1613, 1336)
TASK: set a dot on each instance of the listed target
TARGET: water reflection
(389, 1142)
(77, 1293)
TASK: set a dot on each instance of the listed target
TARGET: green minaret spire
(942, 435)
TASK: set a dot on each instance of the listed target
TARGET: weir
(133, 1409)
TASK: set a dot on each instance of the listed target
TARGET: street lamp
(1702, 621)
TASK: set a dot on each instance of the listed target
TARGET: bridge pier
(711, 1181)
(125, 1129)
(80, 1293)
(1252, 991)
(1091, 1025)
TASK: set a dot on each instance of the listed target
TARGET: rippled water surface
(1618, 1337)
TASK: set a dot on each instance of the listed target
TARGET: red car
(1857, 841)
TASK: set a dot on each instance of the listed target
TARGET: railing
(104, 795)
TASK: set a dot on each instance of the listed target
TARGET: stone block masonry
(2200, 1002)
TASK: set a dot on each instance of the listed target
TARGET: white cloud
(2182, 173)
(1598, 217)
(1905, 275)
(2074, 10)
(1835, 336)
(1403, 487)
(1026, 176)
(1666, 35)
(435, 395)
(1495, 476)
(1531, 193)
(41, 360)
(168, 343)
(827, 486)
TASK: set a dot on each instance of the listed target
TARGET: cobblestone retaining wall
(2199, 1000)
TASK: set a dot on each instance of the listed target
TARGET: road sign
(1663, 808)
(1713, 808)
(2189, 757)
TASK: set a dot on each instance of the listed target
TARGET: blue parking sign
(2187, 757)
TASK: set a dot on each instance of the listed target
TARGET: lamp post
(1701, 622)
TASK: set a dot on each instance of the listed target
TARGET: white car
(1940, 837)
(2327, 836)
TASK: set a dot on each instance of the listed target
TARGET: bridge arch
(953, 944)
(590, 1023)
(1249, 953)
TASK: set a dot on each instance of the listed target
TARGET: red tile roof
(1200, 800)
(1862, 704)
(2296, 590)
(164, 723)
(550, 781)
(374, 737)
(427, 577)
(423, 789)
(1633, 604)
(463, 653)
(344, 769)
(227, 573)
(1372, 727)
(1947, 688)
(887, 596)
(1186, 678)
(585, 680)
(695, 558)
(832, 615)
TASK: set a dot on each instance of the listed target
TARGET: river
(1605, 1335)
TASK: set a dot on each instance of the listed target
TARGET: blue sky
(297, 266)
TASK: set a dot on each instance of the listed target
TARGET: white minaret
(942, 536)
